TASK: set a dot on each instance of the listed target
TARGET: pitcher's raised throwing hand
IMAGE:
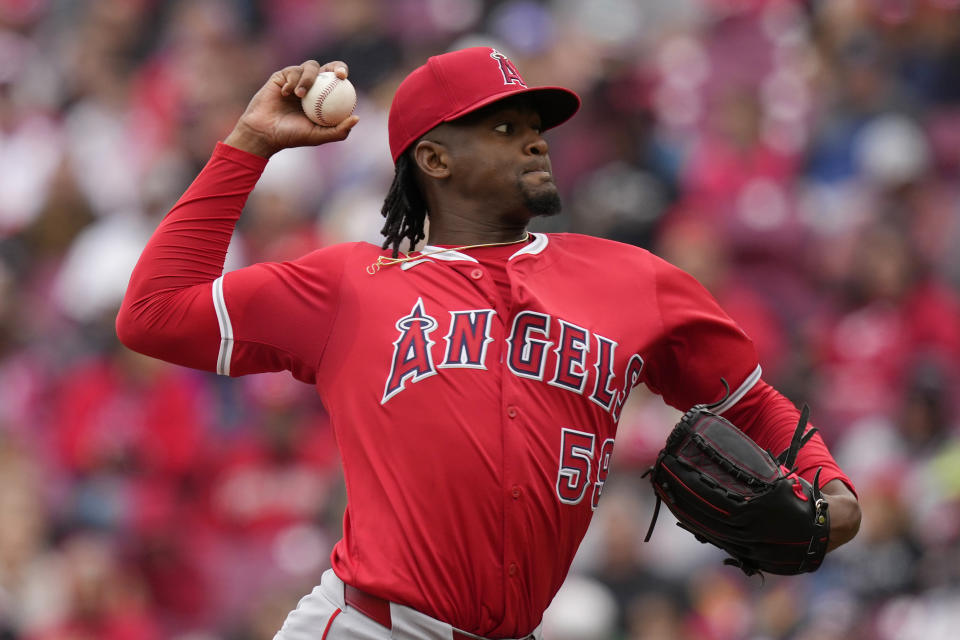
(274, 119)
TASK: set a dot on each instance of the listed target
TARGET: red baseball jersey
(474, 394)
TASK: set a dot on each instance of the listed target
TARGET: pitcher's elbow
(130, 333)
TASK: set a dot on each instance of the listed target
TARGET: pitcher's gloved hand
(728, 491)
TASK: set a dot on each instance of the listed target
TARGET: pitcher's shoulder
(601, 248)
(347, 252)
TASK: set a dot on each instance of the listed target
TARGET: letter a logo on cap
(507, 68)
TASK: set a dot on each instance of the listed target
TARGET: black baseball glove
(728, 491)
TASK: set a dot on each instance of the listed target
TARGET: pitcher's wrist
(245, 139)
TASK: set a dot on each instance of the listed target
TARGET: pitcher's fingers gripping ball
(330, 100)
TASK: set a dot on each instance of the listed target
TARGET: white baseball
(330, 100)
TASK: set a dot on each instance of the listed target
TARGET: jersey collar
(540, 241)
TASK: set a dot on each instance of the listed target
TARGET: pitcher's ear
(432, 158)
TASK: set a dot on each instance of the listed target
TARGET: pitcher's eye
(504, 127)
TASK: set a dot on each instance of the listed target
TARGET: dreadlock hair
(403, 208)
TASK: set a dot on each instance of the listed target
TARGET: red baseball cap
(454, 84)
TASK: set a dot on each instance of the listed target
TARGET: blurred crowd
(800, 158)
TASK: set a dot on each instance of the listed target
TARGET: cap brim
(556, 105)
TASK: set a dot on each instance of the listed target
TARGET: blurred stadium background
(800, 158)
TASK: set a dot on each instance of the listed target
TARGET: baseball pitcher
(475, 385)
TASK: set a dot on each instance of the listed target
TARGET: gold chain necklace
(384, 261)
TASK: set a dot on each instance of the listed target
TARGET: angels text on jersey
(583, 362)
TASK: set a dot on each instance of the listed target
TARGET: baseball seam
(327, 90)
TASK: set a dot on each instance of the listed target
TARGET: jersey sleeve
(167, 310)
(179, 307)
(278, 316)
(699, 345)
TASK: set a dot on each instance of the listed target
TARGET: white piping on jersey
(539, 244)
(226, 329)
(446, 254)
(734, 397)
(407, 265)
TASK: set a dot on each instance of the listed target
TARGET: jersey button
(512, 570)
(515, 492)
(512, 411)
(476, 274)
